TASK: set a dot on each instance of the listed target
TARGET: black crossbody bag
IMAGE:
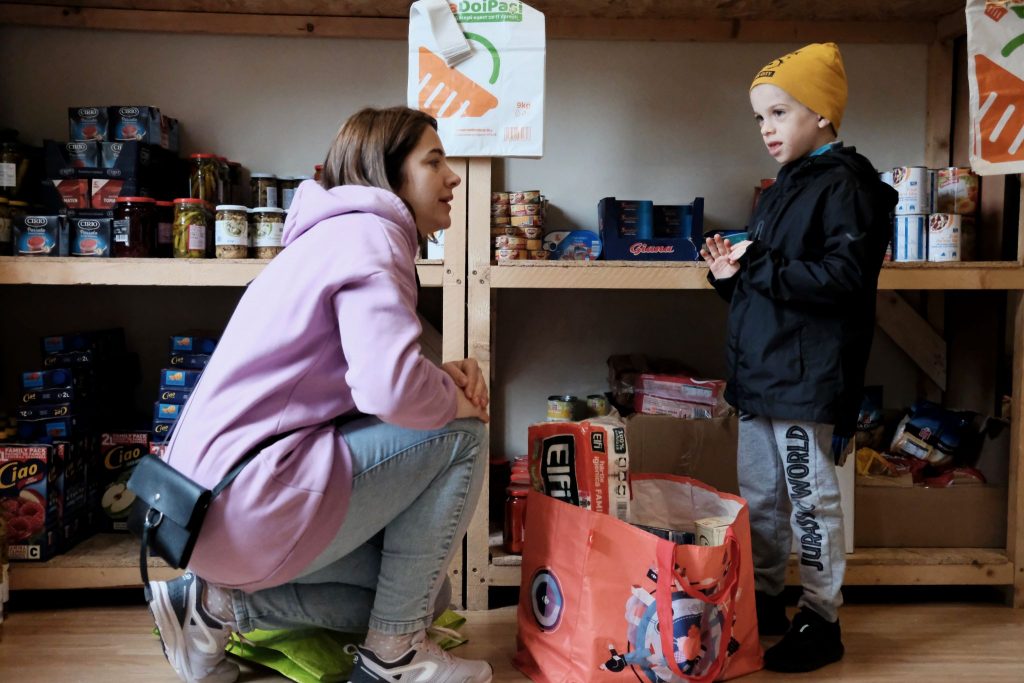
(169, 508)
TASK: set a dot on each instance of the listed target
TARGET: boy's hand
(716, 252)
(738, 250)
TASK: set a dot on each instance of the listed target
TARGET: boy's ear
(823, 122)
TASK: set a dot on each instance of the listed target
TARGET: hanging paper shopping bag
(995, 71)
(477, 66)
(606, 601)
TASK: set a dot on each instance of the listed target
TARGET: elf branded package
(583, 463)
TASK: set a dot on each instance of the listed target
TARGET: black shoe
(810, 644)
(771, 614)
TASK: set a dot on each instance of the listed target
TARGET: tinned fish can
(945, 233)
(525, 209)
(499, 210)
(499, 198)
(506, 254)
(597, 405)
(510, 242)
(956, 191)
(910, 239)
(913, 183)
(561, 408)
(527, 197)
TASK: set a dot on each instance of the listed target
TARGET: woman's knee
(474, 429)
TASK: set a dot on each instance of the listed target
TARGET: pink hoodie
(328, 327)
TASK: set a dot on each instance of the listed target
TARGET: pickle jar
(265, 229)
(164, 245)
(286, 184)
(204, 177)
(264, 190)
(234, 182)
(192, 231)
(232, 232)
(223, 180)
(134, 227)
(6, 239)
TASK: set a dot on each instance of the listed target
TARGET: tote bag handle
(726, 593)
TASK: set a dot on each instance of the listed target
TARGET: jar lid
(18, 202)
(202, 156)
(144, 200)
(165, 204)
(318, 167)
(267, 209)
(518, 491)
(189, 200)
(221, 158)
(262, 175)
(232, 207)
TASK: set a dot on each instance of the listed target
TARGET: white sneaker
(425, 662)
(193, 640)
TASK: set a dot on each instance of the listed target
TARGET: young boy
(801, 318)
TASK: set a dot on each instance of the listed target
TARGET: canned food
(499, 209)
(956, 191)
(526, 197)
(500, 221)
(504, 254)
(525, 209)
(945, 235)
(532, 232)
(913, 183)
(527, 221)
(540, 255)
(499, 198)
(910, 239)
(265, 229)
(264, 190)
(597, 405)
(534, 245)
(510, 242)
(560, 408)
(231, 237)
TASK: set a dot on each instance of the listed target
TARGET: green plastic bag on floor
(322, 656)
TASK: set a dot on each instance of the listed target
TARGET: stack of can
(517, 226)
(934, 214)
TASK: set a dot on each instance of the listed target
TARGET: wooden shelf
(866, 21)
(689, 275)
(103, 561)
(27, 270)
(882, 566)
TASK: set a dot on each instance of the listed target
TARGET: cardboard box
(919, 517)
(702, 449)
(706, 451)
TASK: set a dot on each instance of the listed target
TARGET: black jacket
(802, 310)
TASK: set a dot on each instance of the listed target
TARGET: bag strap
(663, 600)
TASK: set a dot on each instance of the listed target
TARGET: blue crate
(643, 231)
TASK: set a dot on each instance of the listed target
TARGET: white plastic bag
(490, 103)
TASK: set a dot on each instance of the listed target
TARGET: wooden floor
(915, 642)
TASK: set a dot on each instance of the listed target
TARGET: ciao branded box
(582, 463)
(28, 500)
(119, 453)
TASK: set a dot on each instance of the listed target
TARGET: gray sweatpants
(788, 477)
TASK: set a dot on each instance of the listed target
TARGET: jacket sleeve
(850, 263)
(387, 372)
(724, 287)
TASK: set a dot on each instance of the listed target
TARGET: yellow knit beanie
(814, 76)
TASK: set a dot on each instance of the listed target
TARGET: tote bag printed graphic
(604, 601)
(995, 63)
(492, 102)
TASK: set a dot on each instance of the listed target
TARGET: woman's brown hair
(371, 147)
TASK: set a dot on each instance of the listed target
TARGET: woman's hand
(468, 377)
(716, 252)
(467, 408)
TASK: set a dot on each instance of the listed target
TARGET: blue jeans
(413, 494)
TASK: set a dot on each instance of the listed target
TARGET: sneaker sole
(171, 634)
